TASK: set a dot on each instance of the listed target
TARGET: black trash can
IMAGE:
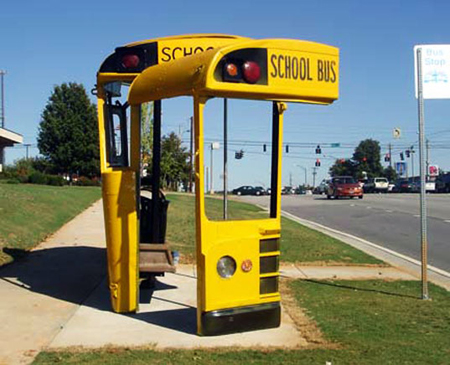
(146, 219)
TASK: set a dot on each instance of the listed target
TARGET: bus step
(155, 258)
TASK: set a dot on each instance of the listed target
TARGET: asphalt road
(389, 220)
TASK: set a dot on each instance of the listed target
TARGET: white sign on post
(435, 71)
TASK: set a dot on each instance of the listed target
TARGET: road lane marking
(447, 221)
(388, 211)
(417, 215)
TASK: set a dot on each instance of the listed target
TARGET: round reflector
(246, 265)
(226, 267)
(251, 71)
(130, 61)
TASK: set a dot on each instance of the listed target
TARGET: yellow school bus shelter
(237, 261)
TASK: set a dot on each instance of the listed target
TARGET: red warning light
(251, 71)
(130, 61)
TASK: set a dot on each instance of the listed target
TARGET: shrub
(85, 181)
(55, 180)
(13, 181)
(38, 178)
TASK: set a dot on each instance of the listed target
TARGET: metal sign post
(225, 159)
(432, 75)
(423, 202)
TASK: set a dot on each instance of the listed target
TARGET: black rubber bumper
(241, 319)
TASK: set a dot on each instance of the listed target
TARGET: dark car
(344, 186)
(403, 186)
(249, 190)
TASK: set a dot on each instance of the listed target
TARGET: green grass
(371, 322)
(29, 213)
(298, 243)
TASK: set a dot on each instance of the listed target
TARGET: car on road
(443, 183)
(287, 190)
(430, 187)
(344, 186)
(249, 190)
(403, 186)
(322, 188)
(376, 185)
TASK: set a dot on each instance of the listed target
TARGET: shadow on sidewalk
(66, 273)
(72, 274)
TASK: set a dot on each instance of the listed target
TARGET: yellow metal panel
(185, 37)
(101, 132)
(119, 205)
(315, 80)
(238, 239)
(176, 48)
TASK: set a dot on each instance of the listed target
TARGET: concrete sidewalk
(57, 297)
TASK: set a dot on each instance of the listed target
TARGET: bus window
(116, 113)
(248, 157)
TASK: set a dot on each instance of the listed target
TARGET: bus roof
(291, 70)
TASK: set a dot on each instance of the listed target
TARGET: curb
(406, 263)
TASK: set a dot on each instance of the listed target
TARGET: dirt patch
(305, 325)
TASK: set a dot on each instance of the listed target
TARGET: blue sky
(46, 43)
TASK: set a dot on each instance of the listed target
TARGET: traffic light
(387, 158)
(402, 157)
(287, 148)
(408, 153)
(264, 147)
(317, 162)
(318, 150)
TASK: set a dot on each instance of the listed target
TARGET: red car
(341, 186)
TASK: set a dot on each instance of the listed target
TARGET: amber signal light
(248, 71)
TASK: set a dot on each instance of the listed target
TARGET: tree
(174, 162)
(367, 158)
(343, 167)
(147, 136)
(68, 134)
(390, 173)
(365, 162)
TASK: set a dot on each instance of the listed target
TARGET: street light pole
(306, 173)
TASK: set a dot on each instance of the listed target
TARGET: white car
(376, 184)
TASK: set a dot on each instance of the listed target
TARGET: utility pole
(2, 115)
(211, 189)
(214, 146)
(27, 145)
(2, 74)
(412, 162)
(314, 176)
(207, 179)
(390, 155)
(290, 179)
(191, 143)
(306, 173)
